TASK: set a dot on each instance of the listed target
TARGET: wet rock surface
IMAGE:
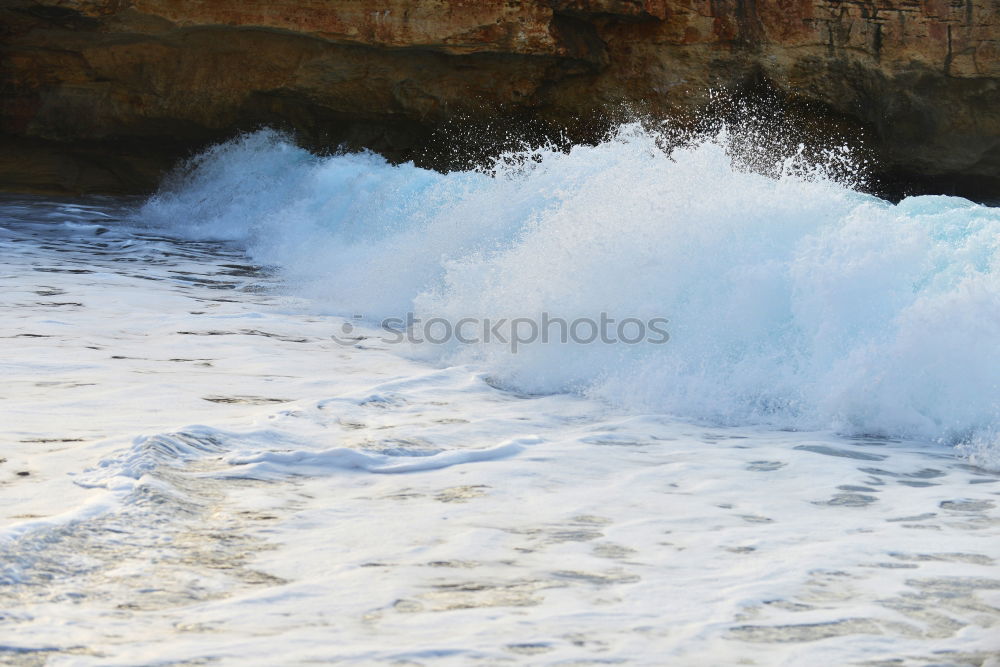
(917, 81)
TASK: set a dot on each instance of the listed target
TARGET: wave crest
(794, 301)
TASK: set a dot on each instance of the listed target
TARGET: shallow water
(196, 471)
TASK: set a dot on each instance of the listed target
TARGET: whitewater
(214, 451)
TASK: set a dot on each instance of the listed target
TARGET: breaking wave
(793, 300)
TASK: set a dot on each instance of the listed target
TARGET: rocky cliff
(125, 85)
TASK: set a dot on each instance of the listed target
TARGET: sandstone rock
(921, 80)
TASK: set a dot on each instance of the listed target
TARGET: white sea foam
(541, 529)
(794, 301)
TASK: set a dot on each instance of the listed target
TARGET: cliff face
(920, 78)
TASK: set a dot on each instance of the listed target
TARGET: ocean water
(215, 452)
